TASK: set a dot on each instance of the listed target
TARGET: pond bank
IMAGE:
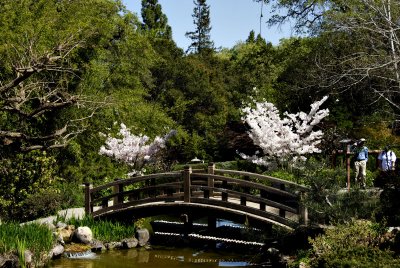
(223, 238)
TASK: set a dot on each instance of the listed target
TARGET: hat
(361, 140)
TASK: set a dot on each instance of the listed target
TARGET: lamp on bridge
(196, 161)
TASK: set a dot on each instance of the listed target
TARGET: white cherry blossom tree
(134, 150)
(286, 138)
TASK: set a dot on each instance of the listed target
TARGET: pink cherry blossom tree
(134, 150)
(283, 138)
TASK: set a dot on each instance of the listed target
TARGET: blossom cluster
(134, 150)
(283, 138)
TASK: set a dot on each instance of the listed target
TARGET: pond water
(155, 258)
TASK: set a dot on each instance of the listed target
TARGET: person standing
(386, 165)
(360, 163)
(387, 160)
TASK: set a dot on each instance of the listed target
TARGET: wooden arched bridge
(239, 196)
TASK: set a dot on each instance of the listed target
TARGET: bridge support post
(88, 199)
(303, 210)
(211, 170)
(117, 189)
(282, 212)
(186, 183)
(187, 224)
(211, 228)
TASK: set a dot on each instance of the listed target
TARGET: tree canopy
(201, 39)
(72, 71)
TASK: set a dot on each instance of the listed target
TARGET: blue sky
(231, 20)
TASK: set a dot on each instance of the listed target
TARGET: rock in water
(143, 236)
(83, 235)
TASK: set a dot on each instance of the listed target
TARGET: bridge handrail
(250, 198)
(175, 174)
(246, 184)
(260, 176)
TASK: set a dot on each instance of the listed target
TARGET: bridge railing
(259, 195)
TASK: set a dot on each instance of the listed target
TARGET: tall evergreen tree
(201, 40)
(155, 20)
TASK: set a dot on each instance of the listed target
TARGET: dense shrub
(24, 178)
(351, 244)
(390, 204)
(329, 201)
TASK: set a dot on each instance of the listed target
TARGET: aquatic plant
(15, 237)
(105, 230)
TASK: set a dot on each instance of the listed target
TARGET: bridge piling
(186, 183)
(211, 170)
(303, 209)
(116, 190)
(88, 206)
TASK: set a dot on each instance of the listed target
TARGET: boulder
(66, 233)
(113, 245)
(9, 261)
(130, 243)
(28, 256)
(61, 225)
(57, 252)
(97, 245)
(82, 235)
(142, 236)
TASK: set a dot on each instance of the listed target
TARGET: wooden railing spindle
(210, 170)
(187, 183)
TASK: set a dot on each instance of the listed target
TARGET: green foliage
(24, 178)
(201, 40)
(329, 200)
(35, 237)
(154, 20)
(21, 247)
(104, 230)
(390, 203)
(351, 244)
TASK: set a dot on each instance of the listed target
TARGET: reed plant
(15, 237)
(105, 230)
(21, 247)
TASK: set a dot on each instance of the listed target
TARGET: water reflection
(172, 258)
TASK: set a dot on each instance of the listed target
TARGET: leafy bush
(351, 244)
(22, 177)
(390, 204)
(39, 205)
(329, 201)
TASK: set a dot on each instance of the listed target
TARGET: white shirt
(388, 159)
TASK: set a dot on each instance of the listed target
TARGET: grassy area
(16, 238)
(104, 230)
